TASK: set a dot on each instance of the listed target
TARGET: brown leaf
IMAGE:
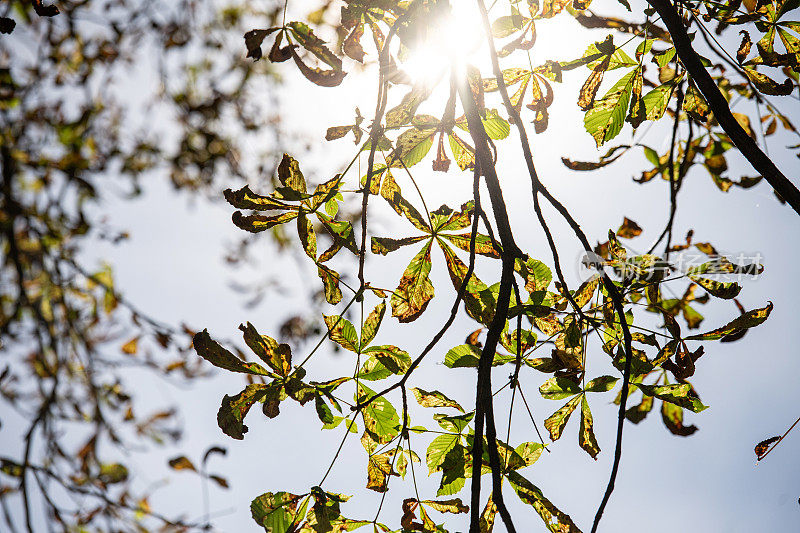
(744, 47)
(762, 447)
(181, 463)
(629, 229)
(592, 84)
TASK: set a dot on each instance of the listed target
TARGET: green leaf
(555, 423)
(371, 324)
(680, 394)
(323, 411)
(276, 512)
(558, 388)
(415, 289)
(411, 147)
(536, 274)
(496, 127)
(342, 332)
(605, 119)
(391, 357)
(657, 100)
(434, 399)
(438, 449)
(529, 452)
(454, 424)
(455, 470)
(373, 370)
(380, 417)
(601, 384)
(748, 320)
(467, 356)
(234, 408)
(211, 351)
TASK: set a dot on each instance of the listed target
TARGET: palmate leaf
(415, 289)
(605, 119)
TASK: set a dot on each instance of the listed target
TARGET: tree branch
(719, 105)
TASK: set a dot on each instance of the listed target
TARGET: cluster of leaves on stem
(614, 310)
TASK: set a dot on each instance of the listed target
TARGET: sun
(451, 41)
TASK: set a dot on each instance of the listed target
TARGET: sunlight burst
(451, 39)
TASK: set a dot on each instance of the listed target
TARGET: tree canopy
(458, 87)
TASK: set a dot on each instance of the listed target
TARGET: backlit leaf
(555, 423)
(391, 357)
(342, 332)
(415, 289)
(586, 438)
(679, 394)
(434, 399)
(748, 320)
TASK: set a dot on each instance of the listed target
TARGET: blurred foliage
(96, 97)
